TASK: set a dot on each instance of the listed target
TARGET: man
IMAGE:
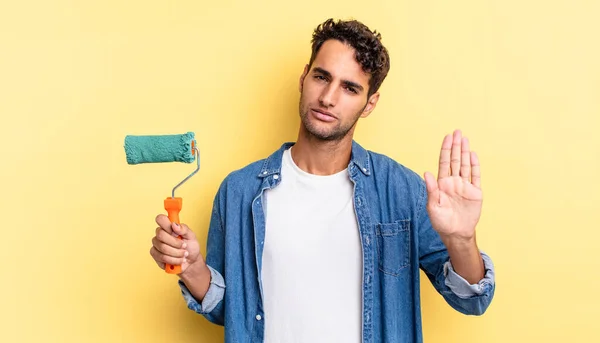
(323, 240)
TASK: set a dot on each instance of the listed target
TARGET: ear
(370, 105)
(302, 77)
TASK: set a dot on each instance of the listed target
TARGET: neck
(321, 157)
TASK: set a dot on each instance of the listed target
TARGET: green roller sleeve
(159, 148)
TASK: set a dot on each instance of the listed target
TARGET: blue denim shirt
(397, 242)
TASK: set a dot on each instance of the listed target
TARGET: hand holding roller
(160, 149)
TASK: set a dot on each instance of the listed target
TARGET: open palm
(455, 198)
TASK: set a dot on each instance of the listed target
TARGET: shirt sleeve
(461, 287)
(214, 295)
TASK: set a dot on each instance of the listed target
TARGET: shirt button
(276, 176)
(258, 317)
(265, 172)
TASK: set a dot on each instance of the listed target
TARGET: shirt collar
(272, 164)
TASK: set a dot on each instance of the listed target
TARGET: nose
(328, 96)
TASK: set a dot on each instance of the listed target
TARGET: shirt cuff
(214, 295)
(461, 287)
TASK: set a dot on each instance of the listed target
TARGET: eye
(352, 90)
(320, 77)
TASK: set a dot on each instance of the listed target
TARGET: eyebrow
(347, 83)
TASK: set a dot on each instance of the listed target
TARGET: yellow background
(520, 78)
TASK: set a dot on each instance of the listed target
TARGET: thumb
(432, 187)
(182, 230)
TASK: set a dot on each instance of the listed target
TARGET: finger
(455, 154)
(183, 230)
(475, 170)
(164, 222)
(169, 239)
(161, 258)
(465, 160)
(444, 167)
(154, 253)
(166, 249)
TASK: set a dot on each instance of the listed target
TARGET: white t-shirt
(312, 259)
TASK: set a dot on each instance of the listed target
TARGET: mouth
(323, 115)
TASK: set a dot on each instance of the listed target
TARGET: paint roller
(164, 149)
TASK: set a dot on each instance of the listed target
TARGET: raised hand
(455, 198)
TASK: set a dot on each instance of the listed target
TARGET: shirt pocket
(393, 246)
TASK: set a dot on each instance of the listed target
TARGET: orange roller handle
(173, 206)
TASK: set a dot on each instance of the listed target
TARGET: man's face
(334, 93)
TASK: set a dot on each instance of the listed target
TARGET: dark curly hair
(370, 52)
